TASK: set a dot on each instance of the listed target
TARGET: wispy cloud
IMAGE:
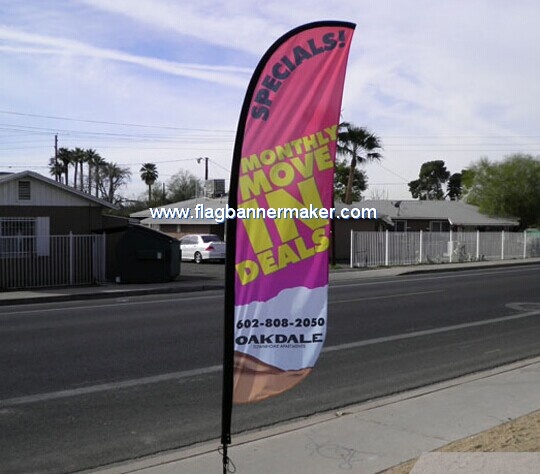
(228, 75)
(238, 25)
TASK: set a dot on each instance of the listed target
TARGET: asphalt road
(88, 383)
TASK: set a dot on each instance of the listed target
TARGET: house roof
(4, 178)
(457, 212)
(381, 215)
(209, 203)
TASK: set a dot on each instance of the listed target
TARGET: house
(48, 233)
(54, 235)
(32, 204)
(438, 216)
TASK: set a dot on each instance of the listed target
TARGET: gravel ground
(520, 435)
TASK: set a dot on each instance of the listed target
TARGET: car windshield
(210, 238)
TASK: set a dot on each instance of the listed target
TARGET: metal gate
(51, 260)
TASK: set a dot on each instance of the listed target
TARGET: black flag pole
(230, 236)
(228, 345)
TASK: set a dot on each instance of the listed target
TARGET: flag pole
(230, 276)
(228, 343)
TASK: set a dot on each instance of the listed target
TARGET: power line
(462, 136)
(386, 184)
(24, 166)
(126, 124)
(24, 147)
(515, 149)
(395, 174)
(33, 129)
(158, 162)
(219, 166)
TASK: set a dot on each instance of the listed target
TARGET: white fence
(56, 260)
(373, 249)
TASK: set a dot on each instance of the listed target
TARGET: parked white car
(200, 247)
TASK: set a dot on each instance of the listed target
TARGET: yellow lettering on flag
(280, 198)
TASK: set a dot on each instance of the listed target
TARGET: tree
(454, 189)
(98, 164)
(182, 185)
(149, 174)
(378, 194)
(467, 181)
(361, 146)
(78, 156)
(341, 179)
(56, 169)
(91, 159)
(159, 196)
(111, 178)
(428, 186)
(510, 188)
(65, 157)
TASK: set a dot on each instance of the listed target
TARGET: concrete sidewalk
(373, 436)
(110, 290)
(190, 283)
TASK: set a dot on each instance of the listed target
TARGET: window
(210, 238)
(25, 191)
(24, 236)
(17, 226)
(439, 226)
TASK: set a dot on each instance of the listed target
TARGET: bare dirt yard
(520, 435)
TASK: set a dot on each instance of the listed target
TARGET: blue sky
(449, 80)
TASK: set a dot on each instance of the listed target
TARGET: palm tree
(114, 177)
(99, 163)
(149, 175)
(56, 169)
(65, 156)
(91, 159)
(352, 141)
(78, 162)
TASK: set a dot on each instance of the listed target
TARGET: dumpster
(145, 255)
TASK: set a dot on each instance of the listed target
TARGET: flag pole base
(228, 465)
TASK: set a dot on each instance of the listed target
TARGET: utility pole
(205, 166)
(56, 158)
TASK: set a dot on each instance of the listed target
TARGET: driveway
(211, 270)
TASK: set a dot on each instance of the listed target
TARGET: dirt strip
(518, 436)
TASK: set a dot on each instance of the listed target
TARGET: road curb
(469, 268)
(109, 294)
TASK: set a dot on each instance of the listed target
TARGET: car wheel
(198, 257)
